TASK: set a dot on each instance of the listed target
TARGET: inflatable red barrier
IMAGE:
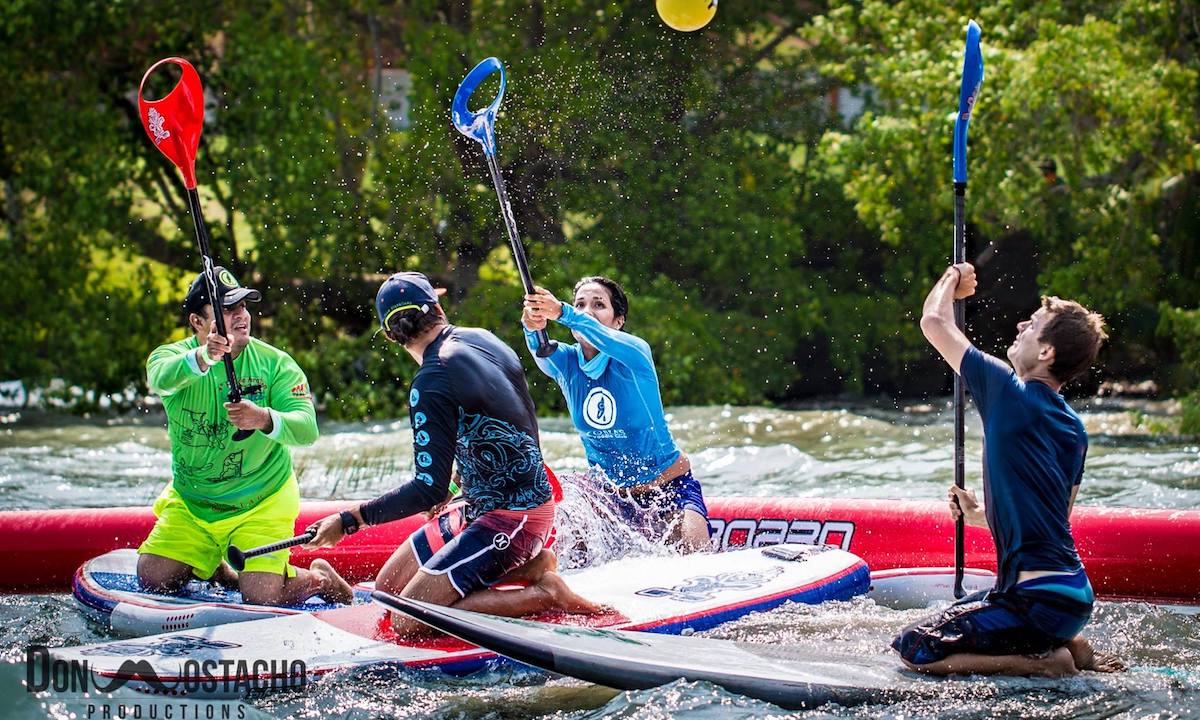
(1130, 553)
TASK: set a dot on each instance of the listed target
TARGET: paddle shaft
(235, 390)
(237, 558)
(546, 346)
(960, 255)
(972, 78)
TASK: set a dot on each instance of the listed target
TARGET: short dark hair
(620, 303)
(1075, 333)
(404, 326)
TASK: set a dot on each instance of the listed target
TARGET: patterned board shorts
(475, 555)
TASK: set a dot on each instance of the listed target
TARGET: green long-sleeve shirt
(217, 477)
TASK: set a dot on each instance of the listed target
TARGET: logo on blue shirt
(414, 397)
(600, 409)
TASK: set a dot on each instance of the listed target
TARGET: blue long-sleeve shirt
(614, 399)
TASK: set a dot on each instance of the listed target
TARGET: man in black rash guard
(468, 403)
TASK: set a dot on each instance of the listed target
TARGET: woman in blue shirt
(612, 391)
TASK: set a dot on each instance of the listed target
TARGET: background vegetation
(774, 191)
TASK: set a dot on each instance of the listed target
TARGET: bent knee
(162, 575)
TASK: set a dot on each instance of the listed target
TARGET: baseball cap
(404, 291)
(232, 291)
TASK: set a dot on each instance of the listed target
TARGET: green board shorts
(180, 535)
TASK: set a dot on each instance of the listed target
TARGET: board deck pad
(107, 589)
(659, 594)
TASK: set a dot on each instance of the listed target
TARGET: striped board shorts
(476, 554)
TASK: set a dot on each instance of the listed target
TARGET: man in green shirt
(224, 492)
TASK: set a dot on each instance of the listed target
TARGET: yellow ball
(686, 15)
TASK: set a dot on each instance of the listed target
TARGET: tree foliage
(775, 245)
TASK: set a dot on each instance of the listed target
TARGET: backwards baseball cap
(404, 291)
(232, 292)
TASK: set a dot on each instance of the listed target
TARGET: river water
(857, 452)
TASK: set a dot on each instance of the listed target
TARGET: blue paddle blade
(479, 125)
(972, 78)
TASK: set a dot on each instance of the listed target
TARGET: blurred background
(774, 190)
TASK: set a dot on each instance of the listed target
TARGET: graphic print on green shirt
(216, 477)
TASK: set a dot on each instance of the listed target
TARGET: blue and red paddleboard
(108, 590)
(658, 594)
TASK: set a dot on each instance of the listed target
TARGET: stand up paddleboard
(790, 677)
(660, 594)
(108, 590)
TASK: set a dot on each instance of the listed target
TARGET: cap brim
(237, 295)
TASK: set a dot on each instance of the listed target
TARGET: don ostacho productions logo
(196, 678)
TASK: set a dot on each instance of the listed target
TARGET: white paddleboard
(108, 591)
(661, 594)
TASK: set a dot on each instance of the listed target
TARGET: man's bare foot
(566, 599)
(1056, 663)
(333, 587)
(1088, 658)
(1105, 662)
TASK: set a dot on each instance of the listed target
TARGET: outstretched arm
(531, 322)
(937, 317)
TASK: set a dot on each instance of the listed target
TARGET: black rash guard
(469, 402)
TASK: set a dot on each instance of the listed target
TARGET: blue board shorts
(1034, 617)
(651, 509)
(475, 554)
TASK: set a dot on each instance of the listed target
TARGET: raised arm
(937, 316)
(554, 365)
(171, 368)
(627, 349)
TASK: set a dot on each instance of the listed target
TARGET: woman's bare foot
(566, 599)
(1088, 658)
(333, 587)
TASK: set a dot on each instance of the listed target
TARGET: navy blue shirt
(469, 403)
(1034, 446)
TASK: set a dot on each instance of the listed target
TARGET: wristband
(349, 523)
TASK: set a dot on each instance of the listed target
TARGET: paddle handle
(214, 294)
(237, 558)
(481, 126)
(960, 320)
(546, 346)
(972, 79)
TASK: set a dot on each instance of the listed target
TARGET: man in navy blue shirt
(1034, 448)
(469, 405)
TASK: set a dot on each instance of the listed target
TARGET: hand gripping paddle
(480, 127)
(174, 124)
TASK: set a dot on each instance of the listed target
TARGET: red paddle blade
(174, 123)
